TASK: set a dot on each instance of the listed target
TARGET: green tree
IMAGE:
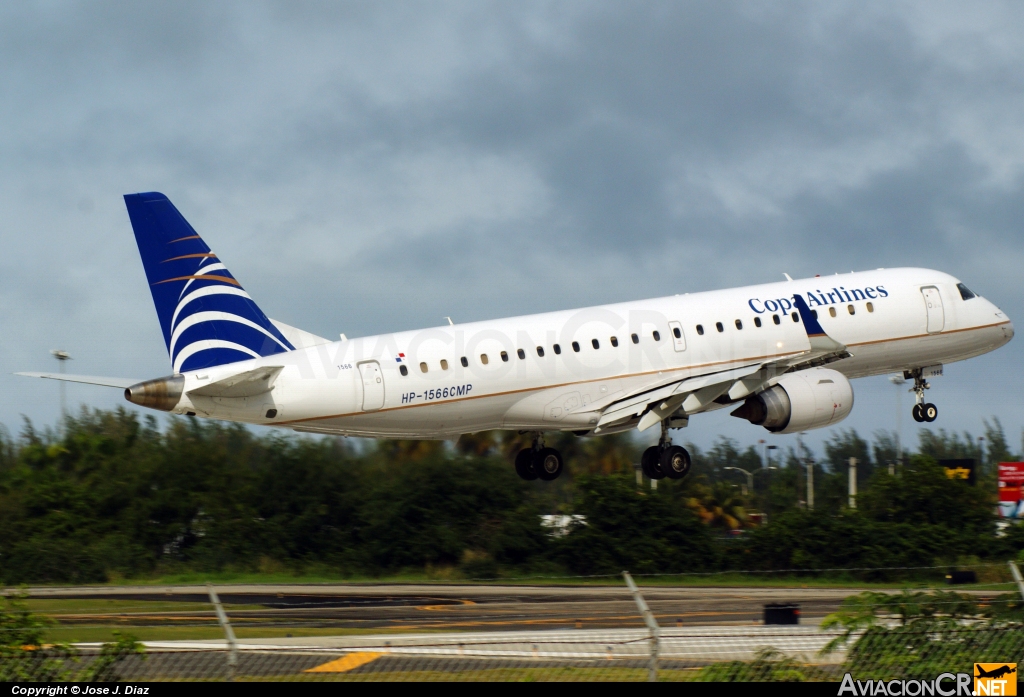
(638, 531)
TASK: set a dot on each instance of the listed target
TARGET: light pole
(750, 478)
(750, 475)
(62, 357)
(898, 382)
(981, 454)
(853, 483)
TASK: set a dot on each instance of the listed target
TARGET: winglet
(820, 341)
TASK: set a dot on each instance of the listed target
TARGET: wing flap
(667, 398)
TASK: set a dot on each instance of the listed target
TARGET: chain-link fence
(872, 635)
(763, 653)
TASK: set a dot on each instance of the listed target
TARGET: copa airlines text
(779, 355)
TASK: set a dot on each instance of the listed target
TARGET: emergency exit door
(373, 385)
(933, 304)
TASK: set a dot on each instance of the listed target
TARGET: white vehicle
(780, 355)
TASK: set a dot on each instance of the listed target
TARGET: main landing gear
(539, 462)
(922, 411)
(664, 459)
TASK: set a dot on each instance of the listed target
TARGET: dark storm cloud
(365, 167)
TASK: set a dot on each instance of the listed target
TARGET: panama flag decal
(401, 357)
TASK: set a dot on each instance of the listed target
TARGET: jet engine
(162, 393)
(800, 401)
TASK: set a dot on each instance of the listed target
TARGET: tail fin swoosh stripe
(200, 278)
(208, 316)
(204, 268)
(190, 256)
(206, 345)
(201, 327)
(202, 293)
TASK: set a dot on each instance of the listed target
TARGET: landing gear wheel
(547, 463)
(524, 464)
(675, 462)
(650, 463)
(918, 413)
(929, 412)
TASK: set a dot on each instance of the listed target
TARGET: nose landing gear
(538, 462)
(664, 459)
(922, 411)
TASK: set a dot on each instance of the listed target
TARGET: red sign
(1011, 483)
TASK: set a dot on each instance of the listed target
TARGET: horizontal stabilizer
(247, 384)
(85, 379)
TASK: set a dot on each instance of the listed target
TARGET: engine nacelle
(800, 401)
(162, 393)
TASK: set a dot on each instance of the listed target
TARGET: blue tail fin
(206, 316)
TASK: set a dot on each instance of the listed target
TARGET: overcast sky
(368, 167)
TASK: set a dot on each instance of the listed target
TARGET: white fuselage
(491, 375)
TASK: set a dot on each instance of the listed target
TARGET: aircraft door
(373, 385)
(678, 340)
(933, 303)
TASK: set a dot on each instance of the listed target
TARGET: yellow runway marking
(347, 663)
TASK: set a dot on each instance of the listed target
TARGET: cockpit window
(965, 292)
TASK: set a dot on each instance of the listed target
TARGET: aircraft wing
(85, 379)
(658, 401)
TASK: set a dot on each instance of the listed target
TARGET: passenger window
(465, 362)
(504, 356)
(796, 316)
(615, 341)
(483, 358)
(558, 349)
(677, 332)
(871, 307)
(739, 324)
(850, 309)
(540, 351)
(656, 334)
(595, 344)
(700, 330)
(576, 346)
(423, 367)
(814, 314)
(719, 327)
(444, 364)
(757, 321)
(775, 318)
(403, 370)
(521, 353)
(635, 338)
(831, 312)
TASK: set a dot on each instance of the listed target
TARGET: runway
(458, 608)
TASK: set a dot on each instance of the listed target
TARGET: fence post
(652, 627)
(228, 632)
(1016, 577)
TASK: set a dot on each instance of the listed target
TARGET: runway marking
(556, 620)
(461, 602)
(346, 663)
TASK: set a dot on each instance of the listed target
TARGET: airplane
(995, 672)
(780, 355)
